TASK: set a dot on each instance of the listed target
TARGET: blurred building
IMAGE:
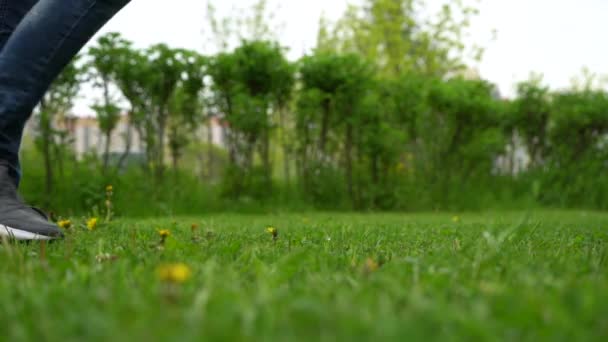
(86, 137)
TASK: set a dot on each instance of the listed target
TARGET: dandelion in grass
(174, 273)
(65, 224)
(173, 276)
(456, 219)
(92, 223)
(164, 234)
(370, 266)
(274, 232)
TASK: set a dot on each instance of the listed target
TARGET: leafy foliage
(250, 85)
(380, 116)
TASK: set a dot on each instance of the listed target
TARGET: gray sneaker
(19, 221)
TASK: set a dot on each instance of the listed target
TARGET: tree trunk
(210, 157)
(305, 160)
(160, 148)
(250, 148)
(175, 150)
(512, 155)
(106, 153)
(106, 97)
(266, 157)
(175, 160)
(150, 145)
(286, 164)
(348, 148)
(374, 169)
(232, 148)
(59, 156)
(324, 127)
(128, 141)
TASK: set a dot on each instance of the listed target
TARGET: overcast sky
(554, 37)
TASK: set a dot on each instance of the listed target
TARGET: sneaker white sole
(22, 235)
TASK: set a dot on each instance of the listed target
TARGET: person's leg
(11, 13)
(43, 43)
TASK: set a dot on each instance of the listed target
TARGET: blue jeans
(38, 38)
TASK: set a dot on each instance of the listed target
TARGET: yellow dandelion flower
(164, 233)
(273, 231)
(174, 273)
(455, 219)
(65, 224)
(371, 265)
(92, 223)
(109, 188)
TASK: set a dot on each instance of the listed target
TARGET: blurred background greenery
(385, 114)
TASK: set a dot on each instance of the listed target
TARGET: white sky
(556, 38)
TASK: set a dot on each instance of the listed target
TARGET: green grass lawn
(328, 277)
